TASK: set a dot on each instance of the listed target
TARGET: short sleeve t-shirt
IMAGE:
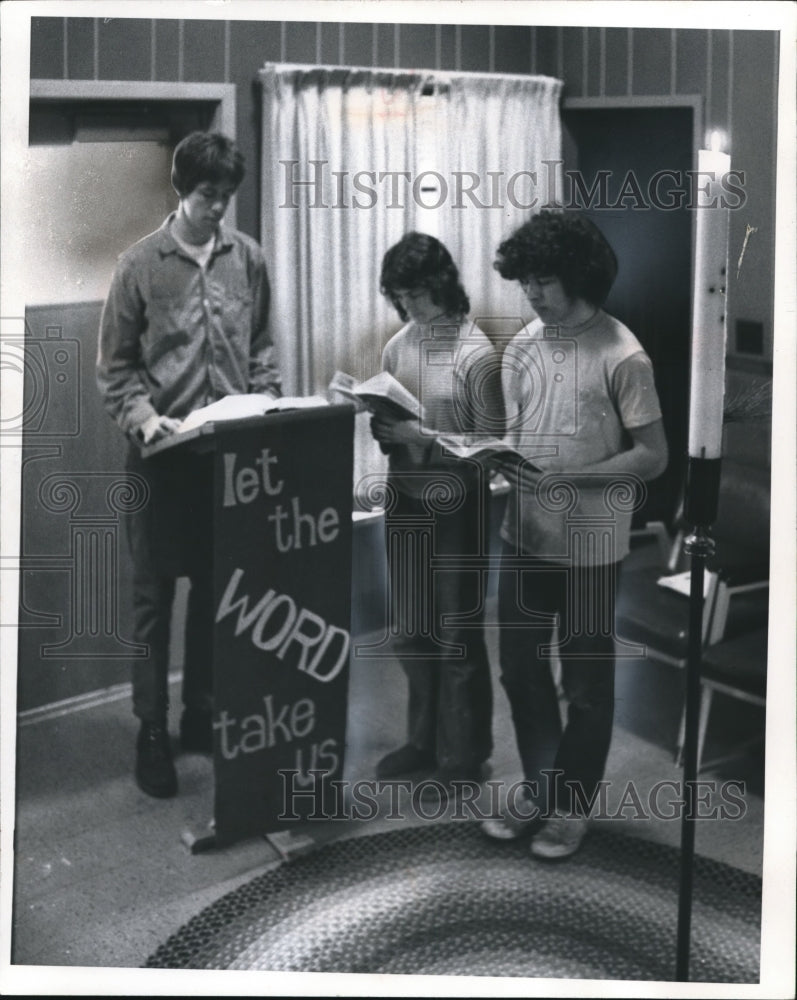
(571, 396)
(452, 368)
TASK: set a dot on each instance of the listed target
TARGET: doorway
(652, 293)
(98, 170)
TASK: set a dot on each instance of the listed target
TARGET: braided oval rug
(442, 899)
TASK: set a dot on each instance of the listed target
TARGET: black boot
(155, 771)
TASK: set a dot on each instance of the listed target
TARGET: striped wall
(735, 72)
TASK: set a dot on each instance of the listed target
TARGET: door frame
(221, 95)
(628, 103)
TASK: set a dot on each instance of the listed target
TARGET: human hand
(388, 430)
(520, 474)
(156, 427)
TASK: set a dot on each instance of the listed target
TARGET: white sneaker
(509, 827)
(559, 837)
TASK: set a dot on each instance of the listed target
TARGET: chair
(736, 580)
(735, 667)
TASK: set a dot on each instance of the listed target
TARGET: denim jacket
(175, 336)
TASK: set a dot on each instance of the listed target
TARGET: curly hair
(564, 245)
(206, 157)
(421, 261)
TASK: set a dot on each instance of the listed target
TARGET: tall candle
(707, 386)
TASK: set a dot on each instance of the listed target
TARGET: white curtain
(500, 133)
(331, 136)
(494, 143)
(342, 130)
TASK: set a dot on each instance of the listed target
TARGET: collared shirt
(175, 336)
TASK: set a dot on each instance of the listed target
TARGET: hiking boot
(404, 761)
(559, 837)
(155, 772)
(196, 731)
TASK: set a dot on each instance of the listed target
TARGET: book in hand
(239, 406)
(381, 394)
(485, 449)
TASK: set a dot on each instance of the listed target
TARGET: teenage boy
(185, 323)
(580, 402)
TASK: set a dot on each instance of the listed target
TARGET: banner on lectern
(282, 583)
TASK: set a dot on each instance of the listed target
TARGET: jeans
(450, 690)
(580, 600)
(172, 536)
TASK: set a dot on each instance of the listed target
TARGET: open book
(252, 404)
(485, 449)
(233, 407)
(381, 394)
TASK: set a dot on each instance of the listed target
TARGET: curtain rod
(441, 74)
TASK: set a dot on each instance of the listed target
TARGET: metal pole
(700, 509)
(698, 546)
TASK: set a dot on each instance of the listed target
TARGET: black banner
(282, 570)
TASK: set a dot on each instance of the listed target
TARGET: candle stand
(702, 498)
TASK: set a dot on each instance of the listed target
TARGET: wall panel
(717, 97)
(124, 49)
(651, 61)
(475, 49)
(547, 50)
(595, 66)
(384, 53)
(80, 48)
(690, 63)
(573, 68)
(448, 46)
(203, 56)
(616, 47)
(47, 48)
(167, 50)
(417, 46)
(512, 49)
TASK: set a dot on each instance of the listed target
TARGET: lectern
(282, 599)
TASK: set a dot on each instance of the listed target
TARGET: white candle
(707, 387)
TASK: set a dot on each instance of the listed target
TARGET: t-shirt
(201, 252)
(571, 395)
(452, 368)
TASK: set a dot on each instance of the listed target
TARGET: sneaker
(559, 837)
(404, 761)
(155, 771)
(196, 731)
(509, 827)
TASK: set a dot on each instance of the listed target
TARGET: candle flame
(715, 142)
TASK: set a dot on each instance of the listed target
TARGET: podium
(282, 500)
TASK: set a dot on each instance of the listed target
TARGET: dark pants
(171, 536)
(450, 691)
(582, 599)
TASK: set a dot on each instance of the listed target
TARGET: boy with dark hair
(581, 403)
(184, 324)
(449, 364)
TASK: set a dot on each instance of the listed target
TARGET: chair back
(741, 531)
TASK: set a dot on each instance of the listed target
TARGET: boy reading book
(446, 363)
(581, 401)
(184, 324)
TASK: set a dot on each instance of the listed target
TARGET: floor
(102, 872)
